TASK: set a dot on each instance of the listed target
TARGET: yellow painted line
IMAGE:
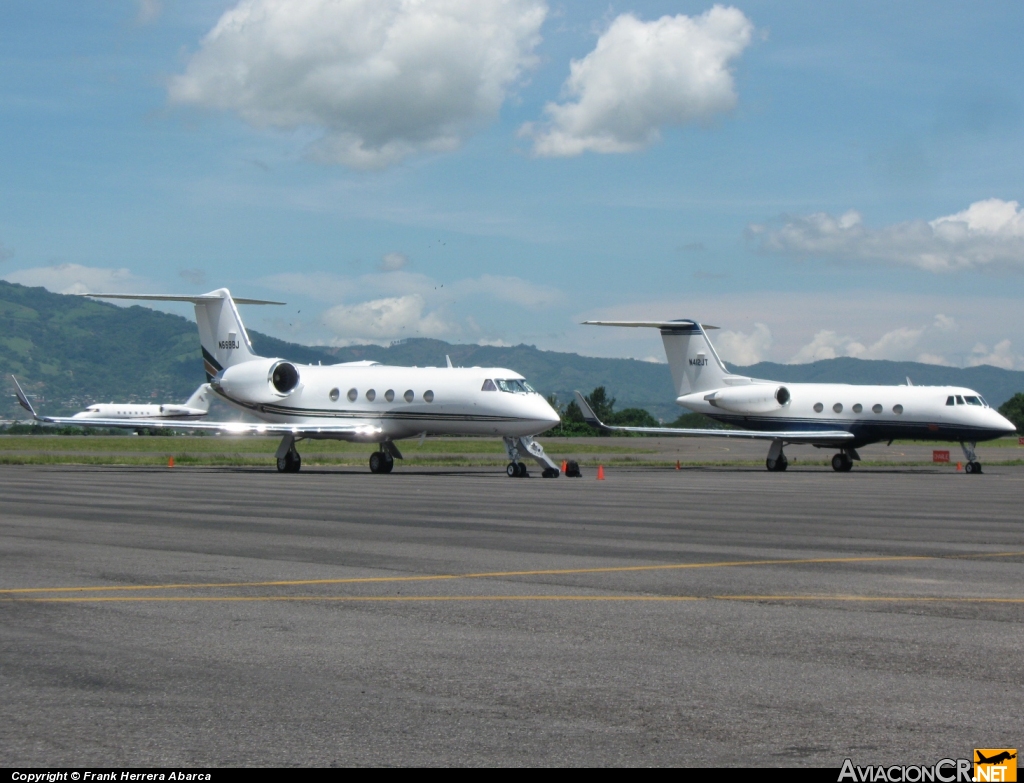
(484, 598)
(506, 574)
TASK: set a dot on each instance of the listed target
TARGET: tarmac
(716, 616)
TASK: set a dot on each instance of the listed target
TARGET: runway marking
(504, 574)
(484, 598)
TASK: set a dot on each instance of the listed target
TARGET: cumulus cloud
(514, 290)
(744, 349)
(392, 262)
(380, 79)
(988, 233)
(1001, 355)
(642, 76)
(381, 319)
(77, 279)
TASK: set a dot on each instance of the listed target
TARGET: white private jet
(825, 415)
(364, 402)
(196, 407)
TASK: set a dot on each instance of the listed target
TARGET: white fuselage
(871, 413)
(392, 402)
(114, 410)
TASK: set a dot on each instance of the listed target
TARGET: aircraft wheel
(840, 463)
(389, 464)
(777, 465)
(282, 465)
(512, 470)
(972, 467)
(377, 462)
(551, 473)
(291, 463)
(523, 471)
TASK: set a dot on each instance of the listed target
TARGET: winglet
(23, 399)
(448, 359)
(588, 413)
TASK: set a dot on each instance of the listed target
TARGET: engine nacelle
(755, 398)
(264, 380)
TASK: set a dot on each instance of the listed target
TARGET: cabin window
(335, 394)
(838, 407)
(488, 386)
(409, 395)
(389, 395)
(972, 400)
(950, 400)
(959, 400)
(428, 395)
(897, 409)
(352, 395)
(818, 407)
(858, 408)
(371, 395)
(876, 408)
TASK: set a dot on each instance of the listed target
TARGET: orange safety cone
(565, 466)
(600, 472)
(678, 466)
(959, 467)
(170, 462)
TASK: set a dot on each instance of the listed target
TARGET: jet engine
(755, 398)
(263, 380)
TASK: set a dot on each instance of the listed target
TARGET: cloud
(319, 286)
(383, 319)
(6, 253)
(149, 12)
(928, 344)
(744, 349)
(642, 76)
(988, 233)
(195, 277)
(392, 262)
(76, 279)
(379, 79)
(514, 290)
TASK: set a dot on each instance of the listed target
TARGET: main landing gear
(517, 469)
(843, 461)
(288, 459)
(972, 466)
(776, 461)
(381, 462)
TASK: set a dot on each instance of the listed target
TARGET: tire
(783, 463)
(551, 473)
(376, 462)
(282, 465)
(294, 462)
(839, 463)
(977, 467)
(972, 467)
(523, 472)
(512, 470)
(770, 464)
(389, 465)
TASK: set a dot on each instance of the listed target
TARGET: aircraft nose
(1005, 424)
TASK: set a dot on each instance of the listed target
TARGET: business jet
(362, 402)
(826, 415)
(196, 407)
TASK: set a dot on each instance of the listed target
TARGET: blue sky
(817, 179)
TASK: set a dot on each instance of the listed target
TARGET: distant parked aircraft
(826, 415)
(196, 407)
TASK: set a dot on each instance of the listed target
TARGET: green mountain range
(69, 351)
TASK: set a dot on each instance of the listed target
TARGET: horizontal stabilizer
(169, 298)
(677, 324)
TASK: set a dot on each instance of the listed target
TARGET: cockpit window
(972, 400)
(513, 386)
(950, 400)
(959, 400)
(489, 386)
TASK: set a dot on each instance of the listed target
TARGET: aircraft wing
(796, 436)
(354, 431)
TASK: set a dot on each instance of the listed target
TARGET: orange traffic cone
(565, 465)
(959, 467)
(678, 466)
(600, 472)
(170, 462)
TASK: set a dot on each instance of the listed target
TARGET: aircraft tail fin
(23, 398)
(221, 331)
(200, 399)
(694, 363)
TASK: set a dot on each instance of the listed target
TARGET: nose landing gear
(516, 469)
(972, 466)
